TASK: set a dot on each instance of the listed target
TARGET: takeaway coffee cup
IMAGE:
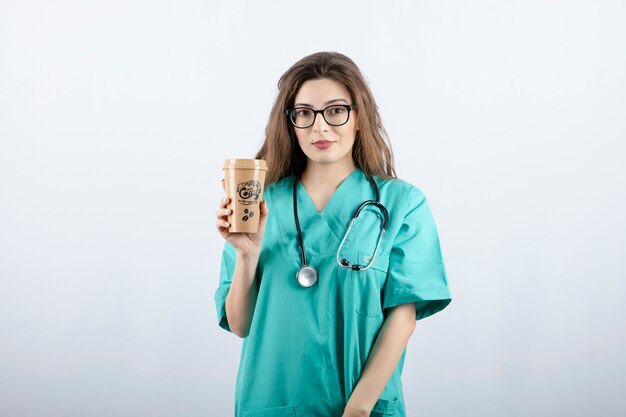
(244, 181)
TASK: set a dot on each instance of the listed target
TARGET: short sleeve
(226, 275)
(417, 272)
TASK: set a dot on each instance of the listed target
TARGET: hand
(245, 243)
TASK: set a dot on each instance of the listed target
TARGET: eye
(337, 110)
(303, 112)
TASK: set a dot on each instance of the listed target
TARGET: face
(323, 143)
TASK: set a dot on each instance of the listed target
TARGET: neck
(318, 176)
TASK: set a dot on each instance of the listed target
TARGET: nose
(319, 124)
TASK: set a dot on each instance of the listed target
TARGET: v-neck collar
(345, 183)
(323, 231)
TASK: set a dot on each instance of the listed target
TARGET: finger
(223, 212)
(222, 224)
(224, 202)
(223, 184)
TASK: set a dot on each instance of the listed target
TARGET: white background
(115, 119)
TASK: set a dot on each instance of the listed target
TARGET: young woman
(326, 305)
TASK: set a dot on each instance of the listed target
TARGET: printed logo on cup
(249, 192)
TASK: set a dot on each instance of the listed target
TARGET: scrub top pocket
(359, 249)
(362, 237)
(288, 411)
(385, 407)
(368, 286)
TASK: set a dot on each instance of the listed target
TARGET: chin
(327, 161)
(326, 157)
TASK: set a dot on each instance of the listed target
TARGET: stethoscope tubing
(344, 262)
(305, 280)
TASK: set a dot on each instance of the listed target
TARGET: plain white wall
(115, 118)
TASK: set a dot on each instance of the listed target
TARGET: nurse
(332, 343)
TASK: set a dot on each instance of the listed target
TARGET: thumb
(263, 218)
(264, 209)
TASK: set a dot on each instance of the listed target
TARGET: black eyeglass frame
(348, 107)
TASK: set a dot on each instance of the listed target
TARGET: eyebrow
(325, 104)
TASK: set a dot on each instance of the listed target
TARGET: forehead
(318, 92)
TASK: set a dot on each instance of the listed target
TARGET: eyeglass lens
(334, 115)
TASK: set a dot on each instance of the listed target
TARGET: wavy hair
(371, 151)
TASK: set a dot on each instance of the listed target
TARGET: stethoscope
(307, 274)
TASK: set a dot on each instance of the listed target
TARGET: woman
(325, 314)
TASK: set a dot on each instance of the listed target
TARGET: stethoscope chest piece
(307, 276)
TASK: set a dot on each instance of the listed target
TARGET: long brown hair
(371, 151)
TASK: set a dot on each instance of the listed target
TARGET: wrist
(248, 255)
(354, 409)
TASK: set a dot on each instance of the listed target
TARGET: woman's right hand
(245, 243)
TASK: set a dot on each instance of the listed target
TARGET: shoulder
(278, 187)
(400, 194)
(281, 184)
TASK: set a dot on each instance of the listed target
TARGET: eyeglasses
(335, 115)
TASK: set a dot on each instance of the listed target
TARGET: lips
(323, 144)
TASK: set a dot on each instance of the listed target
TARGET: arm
(383, 360)
(241, 297)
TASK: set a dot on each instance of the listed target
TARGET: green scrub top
(307, 347)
